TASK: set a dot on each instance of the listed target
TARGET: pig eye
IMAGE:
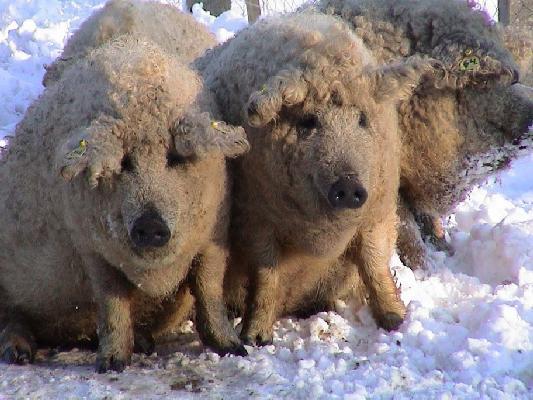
(308, 121)
(306, 125)
(174, 160)
(363, 122)
(126, 164)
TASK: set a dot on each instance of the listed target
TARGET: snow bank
(32, 34)
(469, 328)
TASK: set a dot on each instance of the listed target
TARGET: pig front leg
(112, 294)
(433, 231)
(415, 230)
(372, 252)
(261, 310)
(410, 245)
(212, 321)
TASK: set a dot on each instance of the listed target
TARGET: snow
(469, 328)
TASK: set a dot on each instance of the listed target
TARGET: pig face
(154, 196)
(326, 159)
(323, 158)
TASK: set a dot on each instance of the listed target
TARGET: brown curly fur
(68, 268)
(289, 245)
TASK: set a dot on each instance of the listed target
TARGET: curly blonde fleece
(175, 32)
(313, 58)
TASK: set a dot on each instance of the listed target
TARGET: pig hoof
(390, 321)
(260, 339)
(143, 343)
(440, 244)
(16, 348)
(237, 350)
(240, 351)
(231, 344)
(112, 363)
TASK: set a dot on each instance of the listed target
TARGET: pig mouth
(151, 258)
(149, 254)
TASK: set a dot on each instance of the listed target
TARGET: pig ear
(397, 81)
(197, 134)
(288, 88)
(94, 149)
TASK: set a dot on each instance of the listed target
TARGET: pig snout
(150, 230)
(347, 192)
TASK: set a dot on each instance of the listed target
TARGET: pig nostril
(347, 192)
(160, 235)
(150, 230)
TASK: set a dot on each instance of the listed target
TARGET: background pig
(175, 32)
(114, 196)
(317, 193)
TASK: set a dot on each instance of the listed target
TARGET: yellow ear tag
(263, 88)
(469, 64)
(216, 126)
(78, 151)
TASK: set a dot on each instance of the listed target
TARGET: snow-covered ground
(469, 329)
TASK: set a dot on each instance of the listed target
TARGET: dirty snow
(469, 328)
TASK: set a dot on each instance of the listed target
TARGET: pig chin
(136, 262)
(324, 243)
(323, 233)
(155, 257)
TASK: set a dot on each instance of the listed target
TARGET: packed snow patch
(469, 328)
